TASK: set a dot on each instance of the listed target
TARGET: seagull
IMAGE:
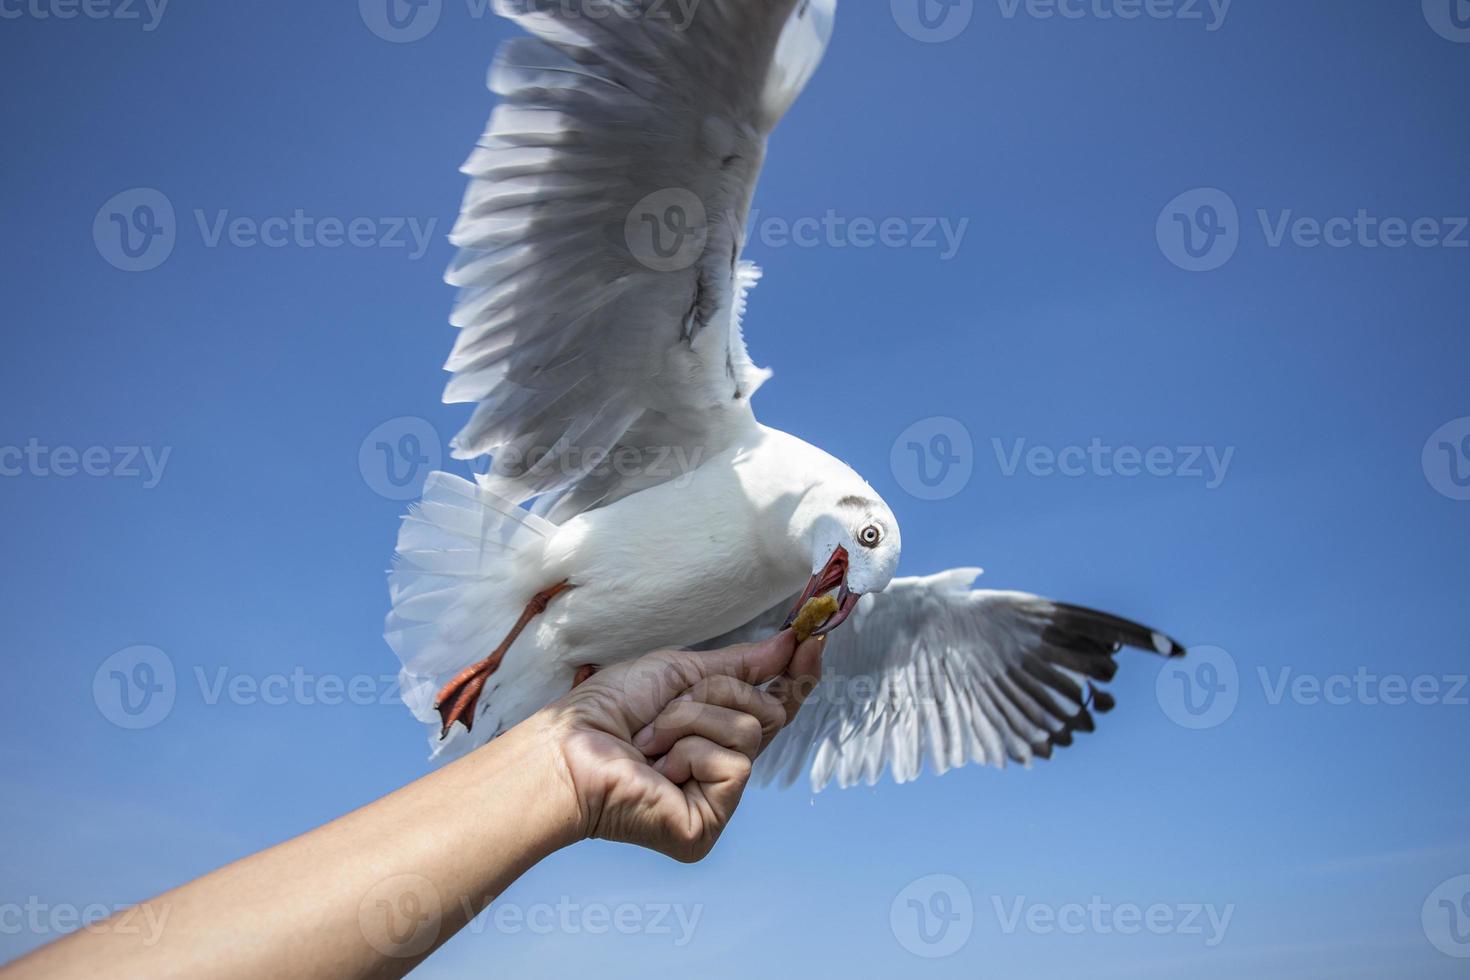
(632, 500)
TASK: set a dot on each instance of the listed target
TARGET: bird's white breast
(686, 560)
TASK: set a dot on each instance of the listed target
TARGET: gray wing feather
(933, 669)
(574, 343)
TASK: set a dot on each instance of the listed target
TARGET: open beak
(832, 576)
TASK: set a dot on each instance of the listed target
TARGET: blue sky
(232, 398)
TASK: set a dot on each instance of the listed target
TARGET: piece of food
(816, 612)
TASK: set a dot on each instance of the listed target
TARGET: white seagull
(600, 311)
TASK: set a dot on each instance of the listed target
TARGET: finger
(716, 769)
(647, 685)
(753, 663)
(723, 691)
(801, 677)
(711, 779)
(725, 726)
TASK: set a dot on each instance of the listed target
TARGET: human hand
(658, 751)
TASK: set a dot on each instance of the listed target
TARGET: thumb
(753, 663)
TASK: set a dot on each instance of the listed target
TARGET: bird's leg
(456, 701)
(584, 673)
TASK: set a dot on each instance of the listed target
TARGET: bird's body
(600, 316)
(702, 554)
(728, 545)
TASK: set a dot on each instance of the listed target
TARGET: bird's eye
(869, 536)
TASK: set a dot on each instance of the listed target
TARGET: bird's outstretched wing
(600, 273)
(930, 668)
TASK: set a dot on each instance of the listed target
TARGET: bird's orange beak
(832, 576)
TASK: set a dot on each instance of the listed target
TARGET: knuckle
(749, 728)
(680, 714)
(723, 687)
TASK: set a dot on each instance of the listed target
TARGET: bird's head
(854, 545)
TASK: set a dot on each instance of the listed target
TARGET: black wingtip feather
(1101, 627)
(1086, 641)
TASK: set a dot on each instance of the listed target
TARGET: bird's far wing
(601, 284)
(931, 668)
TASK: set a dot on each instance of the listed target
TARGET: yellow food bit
(816, 612)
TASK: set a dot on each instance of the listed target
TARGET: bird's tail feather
(466, 564)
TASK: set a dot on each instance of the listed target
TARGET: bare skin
(656, 752)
